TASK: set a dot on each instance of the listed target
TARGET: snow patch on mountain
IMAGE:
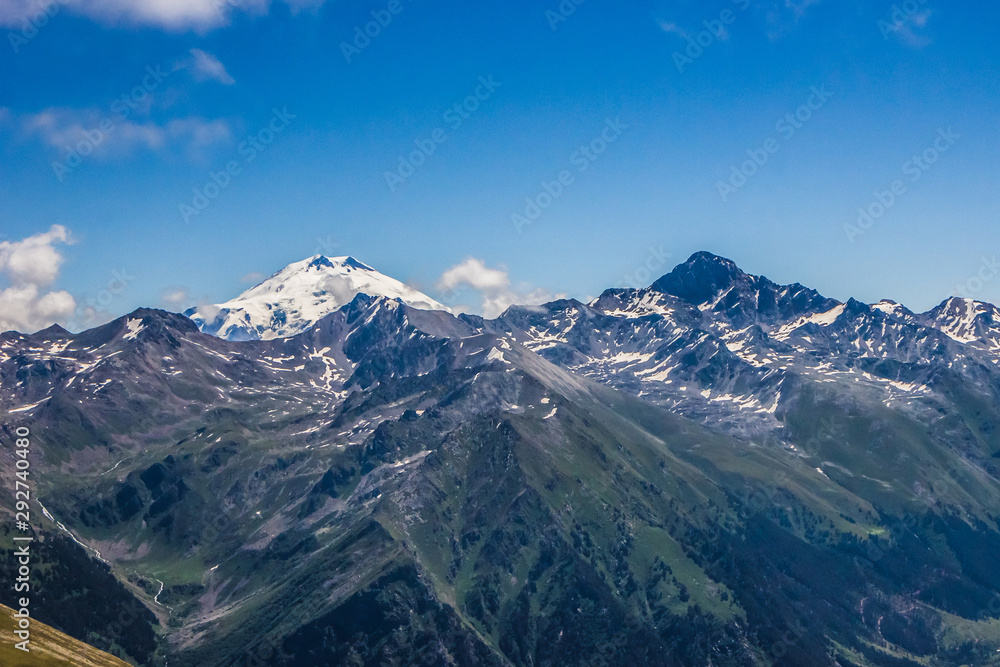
(298, 296)
(134, 328)
(824, 319)
(966, 320)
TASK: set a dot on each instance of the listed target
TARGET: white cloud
(206, 67)
(64, 129)
(475, 274)
(799, 7)
(169, 14)
(908, 28)
(35, 259)
(175, 297)
(493, 286)
(207, 311)
(29, 266)
(783, 17)
(673, 29)
(253, 277)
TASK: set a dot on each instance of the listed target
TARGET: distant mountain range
(336, 470)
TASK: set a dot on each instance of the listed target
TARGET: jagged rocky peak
(54, 332)
(715, 283)
(890, 307)
(700, 278)
(961, 308)
(966, 320)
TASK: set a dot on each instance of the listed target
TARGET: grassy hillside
(48, 647)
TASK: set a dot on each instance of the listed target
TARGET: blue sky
(759, 142)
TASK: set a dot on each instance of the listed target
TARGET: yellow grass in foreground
(48, 647)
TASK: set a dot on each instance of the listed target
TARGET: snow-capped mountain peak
(298, 296)
(967, 320)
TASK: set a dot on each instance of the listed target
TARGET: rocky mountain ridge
(715, 469)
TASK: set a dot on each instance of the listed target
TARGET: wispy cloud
(206, 67)
(253, 277)
(799, 7)
(493, 287)
(175, 297)
(717, 30)
(65, 129)
(30, 266)
(168, 14)
(673, 29)
(908, 28)
(783, 16)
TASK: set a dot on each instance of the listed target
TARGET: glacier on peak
(296, 297)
